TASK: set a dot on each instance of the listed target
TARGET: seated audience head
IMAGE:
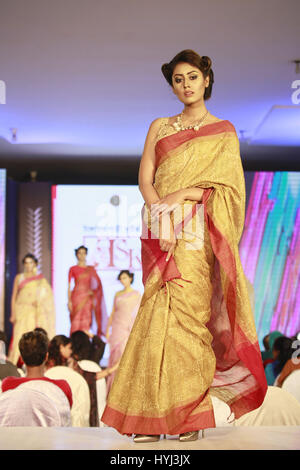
(272, 338)
(81, 345)
(282, 352)
(41, 330)
(33, 348)
(59, 351)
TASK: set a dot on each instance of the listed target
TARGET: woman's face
(125, 280)
(66, 350)
(188, 83)
(81, 254)
(29, 265)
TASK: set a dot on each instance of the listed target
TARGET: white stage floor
(223, 438)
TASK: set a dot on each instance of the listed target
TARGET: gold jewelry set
(178, 125)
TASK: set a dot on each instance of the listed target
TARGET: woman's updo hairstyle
(31, 256)
(189, 56)
(82, 247)
(129, 274)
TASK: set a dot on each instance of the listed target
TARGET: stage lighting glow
(270, 251)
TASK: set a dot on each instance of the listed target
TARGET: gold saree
(194, 335)
(34, 307)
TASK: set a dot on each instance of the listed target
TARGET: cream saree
(194, 335)
(34, 307)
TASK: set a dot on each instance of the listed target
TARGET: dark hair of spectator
(41, 330)
(33, 348)
(81, 345)
(283, 345)
(55, 357)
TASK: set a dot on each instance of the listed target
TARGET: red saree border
(150, 246)
(29, 279)
(130, 424)
(170, 142)
(249, 353)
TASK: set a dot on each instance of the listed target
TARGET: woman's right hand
(70, 306)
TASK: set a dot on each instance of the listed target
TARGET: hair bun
(166, 71)
(206, 62)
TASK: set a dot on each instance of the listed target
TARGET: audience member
(33, 348)
(35, 400)
(279, 408)
(83, 349)
(7, 368)
(59, 351)
(88, 346)
(61, 364)
(88, 350)
(268, 341)
(282, 352)
(292, 364)
(41, 330)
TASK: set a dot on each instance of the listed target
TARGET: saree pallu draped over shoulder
(194, 335)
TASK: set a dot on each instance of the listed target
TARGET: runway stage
(223, 438)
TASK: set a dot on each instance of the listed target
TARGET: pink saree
(126, 306)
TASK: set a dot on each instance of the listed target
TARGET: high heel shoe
(190, 436)
(147, 438)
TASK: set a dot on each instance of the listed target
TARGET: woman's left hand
(168, 203)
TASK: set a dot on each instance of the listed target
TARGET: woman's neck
(194, 111)
(82, 264)
(127, 289)
(29, 274)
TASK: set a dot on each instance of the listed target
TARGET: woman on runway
(86, 298)
(125, 307)
(194, 335)
(32, 305)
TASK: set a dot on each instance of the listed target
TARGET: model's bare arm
(147, 166)
(109, 323)
(13, 299)
(146, 179)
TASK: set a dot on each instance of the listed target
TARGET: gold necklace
(179, 126)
